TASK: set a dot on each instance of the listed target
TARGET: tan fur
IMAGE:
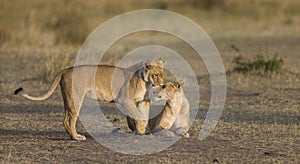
(176, 113)
(129, 93)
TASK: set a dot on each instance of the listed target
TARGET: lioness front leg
(142, 124)
(138, 126)
(137, 118)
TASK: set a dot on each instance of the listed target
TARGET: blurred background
(68, 22)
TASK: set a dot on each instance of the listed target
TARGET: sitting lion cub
(176, 113)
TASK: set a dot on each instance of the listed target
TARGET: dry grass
(56, 60)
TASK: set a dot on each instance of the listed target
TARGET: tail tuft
(17, 91)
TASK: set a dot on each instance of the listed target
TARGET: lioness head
(168, 91)
(153, 71)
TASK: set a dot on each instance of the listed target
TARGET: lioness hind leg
(71, 114)
(66, 122)
(70, 124)
(74, 133)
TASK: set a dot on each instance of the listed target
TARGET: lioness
(176, 113)
(131, 87)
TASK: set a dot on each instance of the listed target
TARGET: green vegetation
(259, 63)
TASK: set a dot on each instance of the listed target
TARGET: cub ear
(161, 61)
(179, 83)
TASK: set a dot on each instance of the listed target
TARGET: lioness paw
(79, 137)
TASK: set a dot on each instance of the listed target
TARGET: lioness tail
(47, 94)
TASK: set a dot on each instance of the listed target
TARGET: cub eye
(163, 86)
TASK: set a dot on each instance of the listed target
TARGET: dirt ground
(260, 122)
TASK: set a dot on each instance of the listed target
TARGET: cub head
(168, 91)
(153, 72)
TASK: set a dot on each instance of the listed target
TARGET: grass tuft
(258, 64)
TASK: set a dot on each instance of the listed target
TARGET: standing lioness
(126, 86)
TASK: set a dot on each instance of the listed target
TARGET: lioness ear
(146, 65)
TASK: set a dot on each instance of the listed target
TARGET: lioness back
(94, 78)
